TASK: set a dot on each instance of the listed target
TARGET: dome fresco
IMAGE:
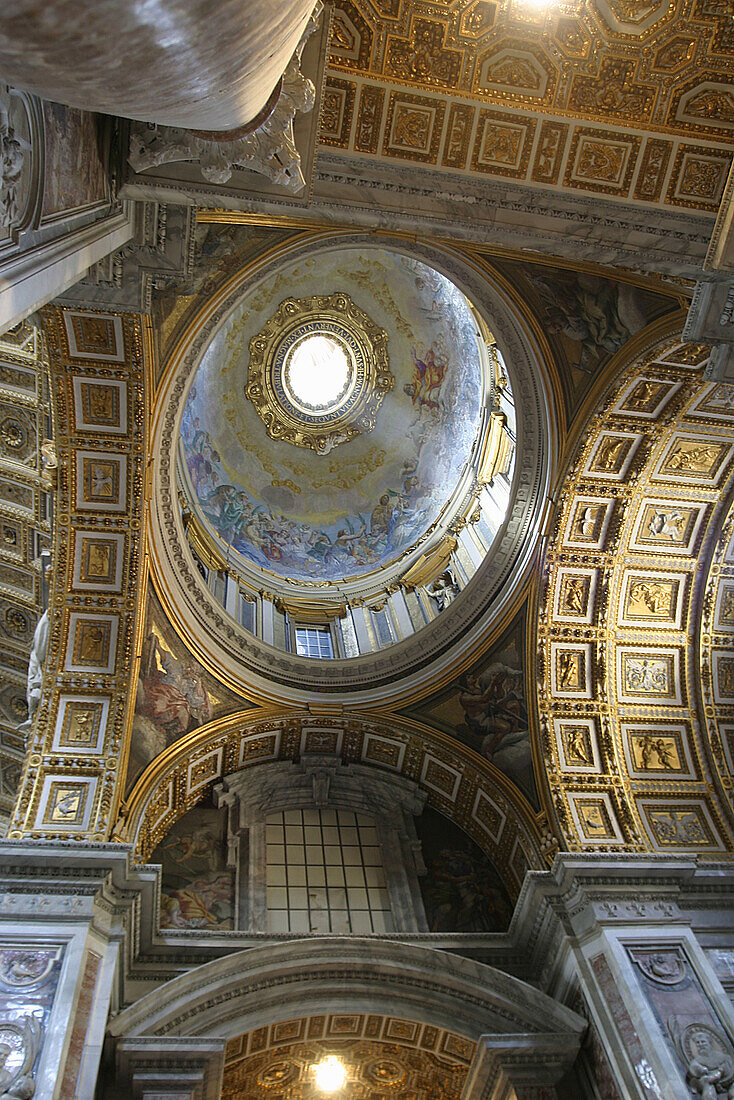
(324, 517)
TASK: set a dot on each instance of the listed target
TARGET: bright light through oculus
(318, 372)
(330, 1074)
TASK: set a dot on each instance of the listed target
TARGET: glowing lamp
(330, 1074)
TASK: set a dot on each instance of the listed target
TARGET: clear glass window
(324, 873)
(312, 641)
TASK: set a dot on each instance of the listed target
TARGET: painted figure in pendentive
(496, 716)
(171, 695)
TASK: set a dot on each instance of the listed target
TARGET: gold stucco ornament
(318, 372)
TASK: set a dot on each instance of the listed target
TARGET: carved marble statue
(269, 150)
(20, 1040)
(36, 663)
(444, 589)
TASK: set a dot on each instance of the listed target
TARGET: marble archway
(457, 782)
(512, 1035)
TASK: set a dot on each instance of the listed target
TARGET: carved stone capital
(269, 150)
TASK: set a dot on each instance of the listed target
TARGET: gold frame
(337, 316)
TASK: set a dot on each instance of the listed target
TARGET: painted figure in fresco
(171, 695)
(429, 371)
(262, 523)
(497, 720)
(197, 887)
(197, 845)
(381, 517)
(596, 313)
(205, 903)
(202, 460)
(462, 896)
(461, 890)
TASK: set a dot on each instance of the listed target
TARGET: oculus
(318, 372)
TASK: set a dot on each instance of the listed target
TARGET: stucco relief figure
(666, 525)
(12, 161)
(444, 590)
(588, 520)
(658, 749)
(49, 465)
(576, 594)
(20, 1041)
(654, 596)
(646, 675)
(708, 1059)
(666, 967)
(689, 458)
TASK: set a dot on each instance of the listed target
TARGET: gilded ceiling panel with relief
(627, 98)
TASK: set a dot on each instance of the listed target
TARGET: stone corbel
(169, 1068)
(160, 254)
(266, 145)
(710, 320)
(520, 1067)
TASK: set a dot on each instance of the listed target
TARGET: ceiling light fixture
(330, 1074)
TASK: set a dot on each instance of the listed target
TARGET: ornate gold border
(364, 343)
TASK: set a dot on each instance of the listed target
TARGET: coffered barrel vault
(632, 763)
(71, 779)
(632, 101)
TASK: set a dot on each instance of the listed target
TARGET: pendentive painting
(174, 693)
(461, 890)
(585, 317)
(197, 887)
(487, 710)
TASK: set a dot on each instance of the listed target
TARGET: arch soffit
(417, 662)
(263, 985)
(716, 652)
(457, 782)
(619, 694)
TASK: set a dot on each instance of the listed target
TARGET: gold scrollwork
(338, 318)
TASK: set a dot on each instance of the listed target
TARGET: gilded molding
(74, 768)
(628, 766)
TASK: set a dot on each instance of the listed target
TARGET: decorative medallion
(318, 372)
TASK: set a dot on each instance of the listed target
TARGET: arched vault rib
(458, 782)
(629, 763)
